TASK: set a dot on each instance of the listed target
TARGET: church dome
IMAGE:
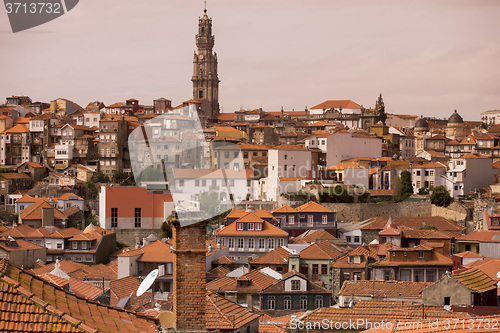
(422, 123)
(455, 118)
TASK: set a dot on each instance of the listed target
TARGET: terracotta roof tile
(123, 287)
(389, 289)
(311, 236)
(35, 210)
(19, 231)
(268, 229)
(224, 260)
(223, 314)
(476, 280)
(218, 272)
(313, 207)
(76, 286)
(34, 295)
(322, 251)
(274, 257)
(482, 236)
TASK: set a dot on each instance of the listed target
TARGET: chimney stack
(189, 290)
(47, 216)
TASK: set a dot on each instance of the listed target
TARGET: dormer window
(250, 226)
(239, 226)
(258, 226)
(291, 219)
(295, 284)
(421, 254)
(351, 260)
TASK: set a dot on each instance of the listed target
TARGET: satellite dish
(148, 282)
(166, 319)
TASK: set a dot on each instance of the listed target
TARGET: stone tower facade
(205, 78)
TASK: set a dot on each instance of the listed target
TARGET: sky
(426, 57)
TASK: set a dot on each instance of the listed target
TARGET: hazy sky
(425, 57)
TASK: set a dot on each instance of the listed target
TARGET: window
(262, 243)
(324, 269)
(348, 239)
(203, 182)
(419, 275)
(137, 215)
(258, 226)
(315, 269)
(291, 219)
(288, 303)
(319, 301)
(295, 284)
(303, 302)
(114, 217)
(421, 254)
(239, 226)
(181, 182)
(240, 243)
(251, 243)
(356, 276)
(431, 275)
(447, 301)
(418, 172)
(347, 276)
(310, 220)
(59, 245)
(356, 239)
(270, 243)
(271, 302)
(230, 243)
(74, 245)
(387, 275)
(250, 226)
(281, 242)
(197, 182)
(286, 156)
(324, 219)
(84, 245)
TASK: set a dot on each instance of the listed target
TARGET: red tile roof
(389, 289)
(482, 236)
(123, 287)
(312, 235)
(313, 207)
(80, 288)
(337, 104)
(268, 230)
(35, 210)
(45, 303)
(321, 251)
(223, 314)
(19, 231)
(274, 257)
(476, 280)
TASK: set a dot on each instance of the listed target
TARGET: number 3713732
(33, 8)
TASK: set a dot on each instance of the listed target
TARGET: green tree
(150, 174)
(209, 203)
(91, 218)
(407, 186)
(119, 177)
(92, 190)
(166, 230)
(441, 196)
(100, 177)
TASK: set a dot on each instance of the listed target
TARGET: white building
(491, 117)
(428, 175)
(467, 173)
(345, 145)
(287, 164)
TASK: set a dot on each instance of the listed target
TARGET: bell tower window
(200, 94)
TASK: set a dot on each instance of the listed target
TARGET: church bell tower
(205, 78)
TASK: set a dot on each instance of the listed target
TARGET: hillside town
(312, 219)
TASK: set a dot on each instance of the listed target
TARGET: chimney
(189, 290)
(47, 216)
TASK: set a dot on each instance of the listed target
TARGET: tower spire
(205, 77)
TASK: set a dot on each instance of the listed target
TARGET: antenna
(148, 282)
